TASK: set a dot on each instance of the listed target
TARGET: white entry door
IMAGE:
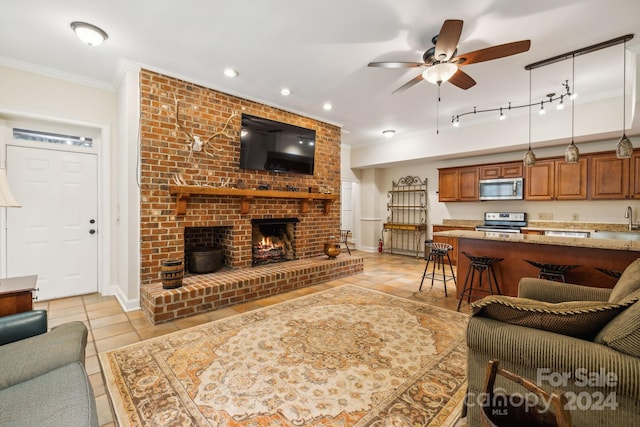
(54, 233)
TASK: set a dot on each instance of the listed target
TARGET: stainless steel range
(503, 222)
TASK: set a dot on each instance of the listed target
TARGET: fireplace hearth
(273, 240)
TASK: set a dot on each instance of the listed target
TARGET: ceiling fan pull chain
(438, 113)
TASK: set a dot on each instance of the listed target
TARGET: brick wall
(164, 152)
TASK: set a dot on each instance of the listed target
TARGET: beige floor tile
(191, 321)
(103, 305)
(221, 313)
(104, 410)
(105, 312)
(117, 341)
(54, 312)
(91, 365)
(97, 383)
(112, 330)
(157, 330)
(141, 323)
(108, 320)
(82, 317)
(135, 314)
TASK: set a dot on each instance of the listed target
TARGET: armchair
(577, 340)
(42, 379)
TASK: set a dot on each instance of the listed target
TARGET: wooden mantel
(184, 192)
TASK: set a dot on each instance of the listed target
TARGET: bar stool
(481, 264)
(437, 253)
(553, 272)
(613, 273)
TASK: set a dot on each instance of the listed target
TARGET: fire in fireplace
(273, 240)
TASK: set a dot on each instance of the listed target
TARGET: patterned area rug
(348, 356)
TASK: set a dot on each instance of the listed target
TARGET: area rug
(347, 356)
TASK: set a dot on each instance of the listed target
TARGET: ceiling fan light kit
(439, 73)
(389, 133)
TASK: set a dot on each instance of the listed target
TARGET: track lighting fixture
(560, 106)
(502, 116)
(542, 111)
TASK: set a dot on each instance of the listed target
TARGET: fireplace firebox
(273, 240)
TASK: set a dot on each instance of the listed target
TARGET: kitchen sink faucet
(629, 214)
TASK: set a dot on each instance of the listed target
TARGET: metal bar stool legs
(481, 264)
(437, 254)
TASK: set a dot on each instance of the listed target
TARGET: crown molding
(57, 74)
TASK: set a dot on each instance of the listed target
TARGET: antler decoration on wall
(197, 144)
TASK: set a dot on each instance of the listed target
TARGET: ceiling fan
(442, 63)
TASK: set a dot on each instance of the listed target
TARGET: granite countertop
(613, 244)
(534, 225)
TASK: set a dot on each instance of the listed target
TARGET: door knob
(92, 221)
(92, 231)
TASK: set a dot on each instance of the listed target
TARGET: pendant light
(529, 157)
(571, 154)
(624, 149)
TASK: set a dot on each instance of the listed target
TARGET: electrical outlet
(575, 217)
(545, 216)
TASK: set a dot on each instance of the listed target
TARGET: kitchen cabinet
(610, 177)
(503, 170)
(458, 184)
(453, 241)
(556, 180)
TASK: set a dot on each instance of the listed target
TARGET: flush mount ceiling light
(439, 73)
(89, 34)
(285, 92)
(624, 149)
(230, 72)
(327, 106)
(388, 133)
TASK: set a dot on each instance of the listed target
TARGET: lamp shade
(624, 149)
(6, 197)
(439, 73)
(572, 153)
(529, 158)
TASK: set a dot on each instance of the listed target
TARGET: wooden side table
(16, 294)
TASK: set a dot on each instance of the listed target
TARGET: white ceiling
(320, 50)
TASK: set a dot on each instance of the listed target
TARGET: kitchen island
(514, 248)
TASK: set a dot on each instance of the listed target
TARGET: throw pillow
(580, 319)
(623, 332)
(628, 283)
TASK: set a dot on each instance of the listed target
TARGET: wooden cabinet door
(571, 180)
(634, 172)
(447, 185)
(609, 177)
(468, 184)
(501, 170)
(539, 181)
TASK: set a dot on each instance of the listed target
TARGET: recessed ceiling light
(285, 92)
(327, 106)
(89, 34)
(230, 72)
(388, 133)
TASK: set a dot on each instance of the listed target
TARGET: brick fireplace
(165, 154)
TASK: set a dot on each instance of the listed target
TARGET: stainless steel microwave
(501, 189)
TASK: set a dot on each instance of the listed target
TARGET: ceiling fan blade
(494, 52)
(462, 80)
(396, 64)
(407, 85)
(448, 39)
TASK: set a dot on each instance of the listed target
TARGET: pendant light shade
(624, 149)
(571, 154)
(529, 157)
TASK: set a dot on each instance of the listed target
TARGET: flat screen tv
(278, 147)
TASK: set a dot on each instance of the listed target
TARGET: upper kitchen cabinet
(458, 184)
(504, 170)
(610, 176)
(556, 180)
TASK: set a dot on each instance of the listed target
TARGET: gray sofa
(42, 377)
(579, 340)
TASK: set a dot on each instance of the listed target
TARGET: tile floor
(110, 327)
